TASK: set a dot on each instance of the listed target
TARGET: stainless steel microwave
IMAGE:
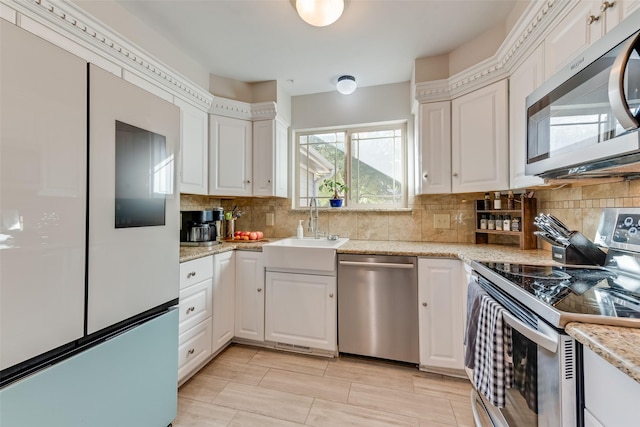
(584, 121)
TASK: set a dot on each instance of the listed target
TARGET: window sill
(351, 210)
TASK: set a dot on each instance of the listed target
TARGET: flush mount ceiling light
(320, 13)
(346, 84)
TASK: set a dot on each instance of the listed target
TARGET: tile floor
(247, 386)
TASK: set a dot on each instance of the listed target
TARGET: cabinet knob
(425, 176)
(259, 289)
(331, 295)
(424, 304)
(191, 274)
(190, 309)
(191, 351)
(248, 182)
(606, 5)
(591, 19)
(269, 181)
(455, 174)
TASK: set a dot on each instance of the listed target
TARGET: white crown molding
(243, 110)
(521, 39)
(72, 22)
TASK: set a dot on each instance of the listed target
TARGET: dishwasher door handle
(377, 264)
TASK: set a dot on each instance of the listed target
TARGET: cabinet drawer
(192, 272)
(194, 347)
(195, 304)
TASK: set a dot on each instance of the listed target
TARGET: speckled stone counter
(465, 252)
(188, 253)
(618, 346)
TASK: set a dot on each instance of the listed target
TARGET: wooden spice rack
(526, 213)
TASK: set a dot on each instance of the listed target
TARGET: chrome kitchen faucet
(313, 218)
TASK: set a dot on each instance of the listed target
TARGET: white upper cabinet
(479, 144)
(270, 144)
(230, 156)
(583, 25)
(434, 148)
(522, 82)
(194, 148)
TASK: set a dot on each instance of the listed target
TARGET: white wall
(366, 105)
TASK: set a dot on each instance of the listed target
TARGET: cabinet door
(43, 146)
(522, 82)
(434, 133)
(223, 299)
(301, 310)
(270, 139)
(572, 35)
(440, 295)
(610, 395)
(480, 149)
(230, 156)
(249, 299)
(194, 148)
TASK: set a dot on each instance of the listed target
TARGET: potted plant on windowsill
(331, 185)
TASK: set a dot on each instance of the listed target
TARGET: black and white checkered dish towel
(493, 370)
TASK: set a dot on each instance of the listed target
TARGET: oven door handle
(548, 342)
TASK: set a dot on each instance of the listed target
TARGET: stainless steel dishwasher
(378, 306)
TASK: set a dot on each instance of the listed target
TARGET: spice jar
(483, 222)
(515, 224)
(511, 205)
(499, 223)
(497, 203)
(487, 202)
(506, 223)
(491, 224)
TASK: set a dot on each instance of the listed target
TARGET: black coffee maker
(201, 228)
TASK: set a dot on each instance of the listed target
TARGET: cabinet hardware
(269, 181)
(606, 5)
(455, 174)
(425, 176)
(191, 351)
(190, 275)
(190, 309)
(259, 289)
(424, 304)
(331, 295)
(591, 19)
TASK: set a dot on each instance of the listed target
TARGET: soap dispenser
(300, 231)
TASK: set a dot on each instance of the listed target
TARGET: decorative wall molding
(523, 38)
(243, 110)
(71, 22)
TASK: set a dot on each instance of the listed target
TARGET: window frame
(348, 132)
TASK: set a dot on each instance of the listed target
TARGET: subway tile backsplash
(578, 207)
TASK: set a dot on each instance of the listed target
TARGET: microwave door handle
(617, 99)
(545, 341)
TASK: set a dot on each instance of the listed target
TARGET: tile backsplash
(578, 207)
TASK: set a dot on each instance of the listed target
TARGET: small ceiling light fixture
(320, 13)
(346, 84)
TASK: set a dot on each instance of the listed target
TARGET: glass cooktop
(579, 290)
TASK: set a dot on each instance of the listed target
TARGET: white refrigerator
(89, 243)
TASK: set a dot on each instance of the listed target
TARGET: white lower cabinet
(224, 279)
(610, 396)
(249, 298)
(301, 310)
(441, 314)
(195, 309)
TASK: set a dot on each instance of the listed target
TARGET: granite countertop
(618, 345)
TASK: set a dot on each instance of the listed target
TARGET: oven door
(543, 392)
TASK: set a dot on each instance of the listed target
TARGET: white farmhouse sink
(302, 254)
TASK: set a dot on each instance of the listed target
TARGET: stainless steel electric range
(541, 300)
